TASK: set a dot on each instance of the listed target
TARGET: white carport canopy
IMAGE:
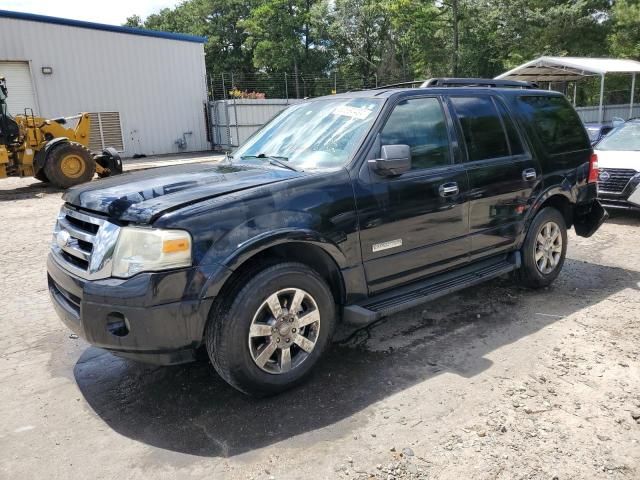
(567, 69)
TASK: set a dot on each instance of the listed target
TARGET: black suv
(343, 208)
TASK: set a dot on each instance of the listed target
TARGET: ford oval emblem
(604, 176)
(63, 238)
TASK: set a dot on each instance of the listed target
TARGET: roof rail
(476, 82)
(412, 84)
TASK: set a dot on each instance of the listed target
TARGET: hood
(618, 159)
(143, 196)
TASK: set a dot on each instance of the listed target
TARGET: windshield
(624, 138)
(321, 134)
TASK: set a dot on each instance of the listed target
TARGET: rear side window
(483, 133)
(557, 124)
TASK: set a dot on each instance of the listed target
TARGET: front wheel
(272, 329)
(68, 164)
(544, 249)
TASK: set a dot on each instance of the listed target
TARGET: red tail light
(593, 168)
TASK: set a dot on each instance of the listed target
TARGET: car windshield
(322, 134)
(624, 138)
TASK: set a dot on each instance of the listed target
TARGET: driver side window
(419, 123)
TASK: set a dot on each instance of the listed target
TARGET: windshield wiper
(276, 160)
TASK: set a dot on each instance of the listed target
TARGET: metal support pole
(575, 92)
(286, 87)
(224, 90)
(633, 88)
(600, 109)
(335, 82)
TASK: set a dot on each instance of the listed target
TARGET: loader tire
(69, 164)
(41, 176)
(111, 161)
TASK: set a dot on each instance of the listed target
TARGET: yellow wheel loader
(50, 150)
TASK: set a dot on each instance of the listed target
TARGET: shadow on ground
(624, 217)
(189, 409)
(29, 191)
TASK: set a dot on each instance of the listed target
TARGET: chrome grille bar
(84, 244)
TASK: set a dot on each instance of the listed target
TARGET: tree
(625, 35)
(134, 21)
(218, 20)
(360, 30)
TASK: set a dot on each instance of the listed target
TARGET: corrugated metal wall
(234, 121)
(157, 85)
(591, 114)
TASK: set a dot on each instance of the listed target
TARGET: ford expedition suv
(344, 208)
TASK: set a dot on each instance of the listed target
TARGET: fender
(569, 194)
(41, 155)
(261, 242)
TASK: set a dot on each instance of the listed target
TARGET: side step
(411, 295)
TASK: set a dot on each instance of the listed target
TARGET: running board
(411, 295)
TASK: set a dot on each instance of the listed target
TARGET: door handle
(449, 189)
(529, 174)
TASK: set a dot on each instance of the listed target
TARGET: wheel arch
(557, 198)
(300, 246)
(40, 157)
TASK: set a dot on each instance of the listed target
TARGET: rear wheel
(69, 164)
(272, 330)
(41, 176)
(111, 161)
(544, 249)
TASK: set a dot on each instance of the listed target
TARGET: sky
(113, 12)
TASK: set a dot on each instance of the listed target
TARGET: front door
(414, 224)
(502, 173)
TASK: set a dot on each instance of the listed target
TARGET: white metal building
(146, 90)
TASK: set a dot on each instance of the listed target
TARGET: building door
(20, 85)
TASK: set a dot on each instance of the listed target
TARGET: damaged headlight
(150, 249)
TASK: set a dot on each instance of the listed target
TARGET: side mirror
(396, 160)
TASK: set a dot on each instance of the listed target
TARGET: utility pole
(456, 36)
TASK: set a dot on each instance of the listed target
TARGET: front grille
(83, 243)
(617, 180)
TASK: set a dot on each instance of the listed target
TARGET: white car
(619, 165)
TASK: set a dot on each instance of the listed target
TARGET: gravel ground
(493, 382)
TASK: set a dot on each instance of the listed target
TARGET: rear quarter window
(557, 124)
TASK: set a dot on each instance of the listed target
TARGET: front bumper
(627, 199)
(151, 317)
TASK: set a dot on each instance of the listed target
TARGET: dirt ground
(494, 382)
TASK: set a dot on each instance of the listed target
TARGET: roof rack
(461, 82)
(476, 82)
(412, 84)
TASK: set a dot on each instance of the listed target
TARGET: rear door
(501, 170)
(414, 224)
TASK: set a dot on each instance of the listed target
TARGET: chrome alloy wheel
(284, 330)
(548, 248)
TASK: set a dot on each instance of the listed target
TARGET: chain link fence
(257, 86)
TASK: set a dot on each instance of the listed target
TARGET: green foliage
(625, 35)
(396, 40)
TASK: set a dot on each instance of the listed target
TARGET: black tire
(111, 161)
(41, 176)
(227, 333)
(82, 165)
(530, 274)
